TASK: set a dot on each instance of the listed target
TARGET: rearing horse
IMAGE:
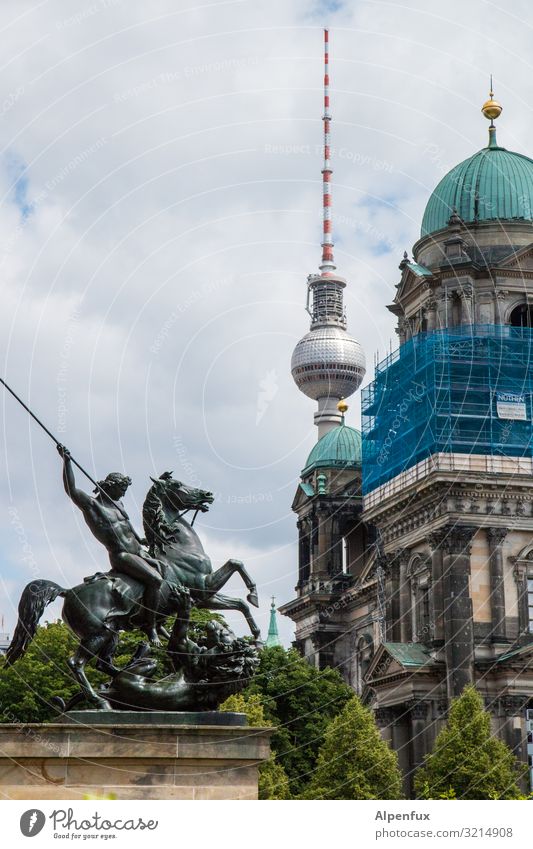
(174, 541)
(98, 609)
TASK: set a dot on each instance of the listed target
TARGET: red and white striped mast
(327, 265)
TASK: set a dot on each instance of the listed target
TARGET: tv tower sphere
(328, 363)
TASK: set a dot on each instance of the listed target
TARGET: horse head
(178, 496)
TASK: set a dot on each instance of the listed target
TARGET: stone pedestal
(134, 756)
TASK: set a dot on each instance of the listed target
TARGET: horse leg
(104, 662)
(216, 580)
(87, 649)
(224, 602)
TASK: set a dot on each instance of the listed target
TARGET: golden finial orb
(342, 406)
(491, 108)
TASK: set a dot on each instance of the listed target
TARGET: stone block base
(131, 760)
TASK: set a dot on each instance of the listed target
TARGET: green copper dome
(494, 184)
(340, 448)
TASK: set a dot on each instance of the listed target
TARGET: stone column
(320, 565)
(458, 622)
(431, 314)
(384, 718)
(496, 537)
(445, 310)
(315, 561)
(401, 330)
(520, 576)
(467, 299)
(303, 551)
(336, 544)
(419, 714)
(513, 708)
(435, 541)
(385, 564)
(406, 631)
(500, 298)
(393, 596)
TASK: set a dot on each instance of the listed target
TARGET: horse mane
(157, 530)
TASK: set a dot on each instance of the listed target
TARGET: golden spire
(491, 108)
(342, 406)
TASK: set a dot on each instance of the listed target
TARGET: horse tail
(35, 597)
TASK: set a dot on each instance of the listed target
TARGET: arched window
(522, 316)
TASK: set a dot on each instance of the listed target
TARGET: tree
(273, 781)
(467, 762)
(300, 701)
(26, 689)
(354, 761)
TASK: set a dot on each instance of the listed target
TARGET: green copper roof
(339, 448)
(273, 636)
(420, 270)
(494, 184)
(409, 654)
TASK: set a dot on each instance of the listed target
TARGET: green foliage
(273, 781)
(251, 705)
(354, 761)
(27, 687)
(300, 701)
(467, 761)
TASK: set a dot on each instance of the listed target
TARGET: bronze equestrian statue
(143, 587)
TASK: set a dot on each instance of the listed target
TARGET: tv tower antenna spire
(327, 266)
(328, 364)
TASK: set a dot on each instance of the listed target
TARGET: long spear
(57, 442)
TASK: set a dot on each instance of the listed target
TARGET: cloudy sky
(160, 183)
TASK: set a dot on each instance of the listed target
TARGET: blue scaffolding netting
(464, 389)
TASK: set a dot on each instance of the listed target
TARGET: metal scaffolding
(465, 390)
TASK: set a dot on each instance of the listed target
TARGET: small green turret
(273, 636)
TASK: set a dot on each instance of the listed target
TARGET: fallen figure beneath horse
(205, 672)
(142, 589)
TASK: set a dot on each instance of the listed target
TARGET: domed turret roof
(494, 184)
(340, 448)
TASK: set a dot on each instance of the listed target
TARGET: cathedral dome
(340, 448)
(493, 185)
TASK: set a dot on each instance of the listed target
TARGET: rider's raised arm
(80, 498)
